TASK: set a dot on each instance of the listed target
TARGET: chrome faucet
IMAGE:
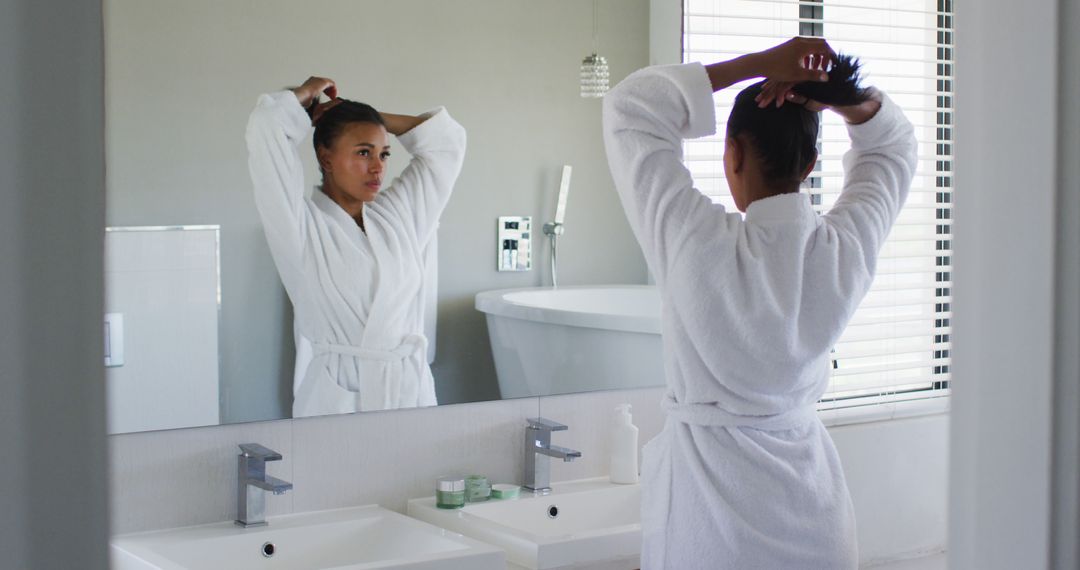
(537, 443)
(252, 482)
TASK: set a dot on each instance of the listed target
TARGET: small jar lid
(451, 483)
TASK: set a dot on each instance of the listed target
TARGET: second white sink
(588, 523)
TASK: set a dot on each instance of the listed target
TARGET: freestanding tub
(574, 339)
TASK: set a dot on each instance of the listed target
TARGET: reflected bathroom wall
(161, 330)
(182, 77)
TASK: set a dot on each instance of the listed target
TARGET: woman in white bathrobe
(744, 475)
(357, 259)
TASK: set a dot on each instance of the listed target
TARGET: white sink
(344, 539)
(596, 524)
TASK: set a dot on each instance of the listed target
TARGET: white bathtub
(574, 339)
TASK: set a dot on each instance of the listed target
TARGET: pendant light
(594, 68)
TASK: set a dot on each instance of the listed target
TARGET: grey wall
(52, 404)
(1065, 553)
(1010, 285)
(181, 78)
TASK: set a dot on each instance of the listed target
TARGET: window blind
(897, 344)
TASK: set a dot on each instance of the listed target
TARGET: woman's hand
(794, 61)
(308, 95)
(781, 92)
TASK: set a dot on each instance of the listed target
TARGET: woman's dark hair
(334, 120)
(785, 139)
(843, 87)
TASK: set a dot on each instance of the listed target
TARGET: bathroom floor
(935, 562)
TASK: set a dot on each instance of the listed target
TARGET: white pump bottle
(624, 447)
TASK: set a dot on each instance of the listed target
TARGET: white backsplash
(184, 477)
(896, 470)
(589, 417)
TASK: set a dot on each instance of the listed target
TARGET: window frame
(895, 401)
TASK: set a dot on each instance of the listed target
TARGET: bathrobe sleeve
(275, 130)
(646, 117)
(421, 192)
(877, 176)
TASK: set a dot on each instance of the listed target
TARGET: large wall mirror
(200, 327)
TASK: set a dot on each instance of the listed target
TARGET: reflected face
(354, 165)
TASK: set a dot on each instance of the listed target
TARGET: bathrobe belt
(711, 415)
(413, 344)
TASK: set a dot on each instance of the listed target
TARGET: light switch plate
(114, 339)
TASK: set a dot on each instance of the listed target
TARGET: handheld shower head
(564, 191)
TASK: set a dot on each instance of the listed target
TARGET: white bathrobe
(361, 300)
(744, 474)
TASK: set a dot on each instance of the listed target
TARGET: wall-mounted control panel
(515, 243)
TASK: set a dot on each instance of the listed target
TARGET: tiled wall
(185, 477)
(164, 283)
(896, 469)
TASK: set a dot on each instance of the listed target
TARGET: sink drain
(268, 550)
(553, 512)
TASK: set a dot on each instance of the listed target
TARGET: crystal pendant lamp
(594, 68)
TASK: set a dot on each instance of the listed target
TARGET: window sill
(884, 411)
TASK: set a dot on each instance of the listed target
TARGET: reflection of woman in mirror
(356, 258)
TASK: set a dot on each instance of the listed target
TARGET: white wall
(182, 78)
(665, 32)
(52, 405)
(896, 469)
(897, 472)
